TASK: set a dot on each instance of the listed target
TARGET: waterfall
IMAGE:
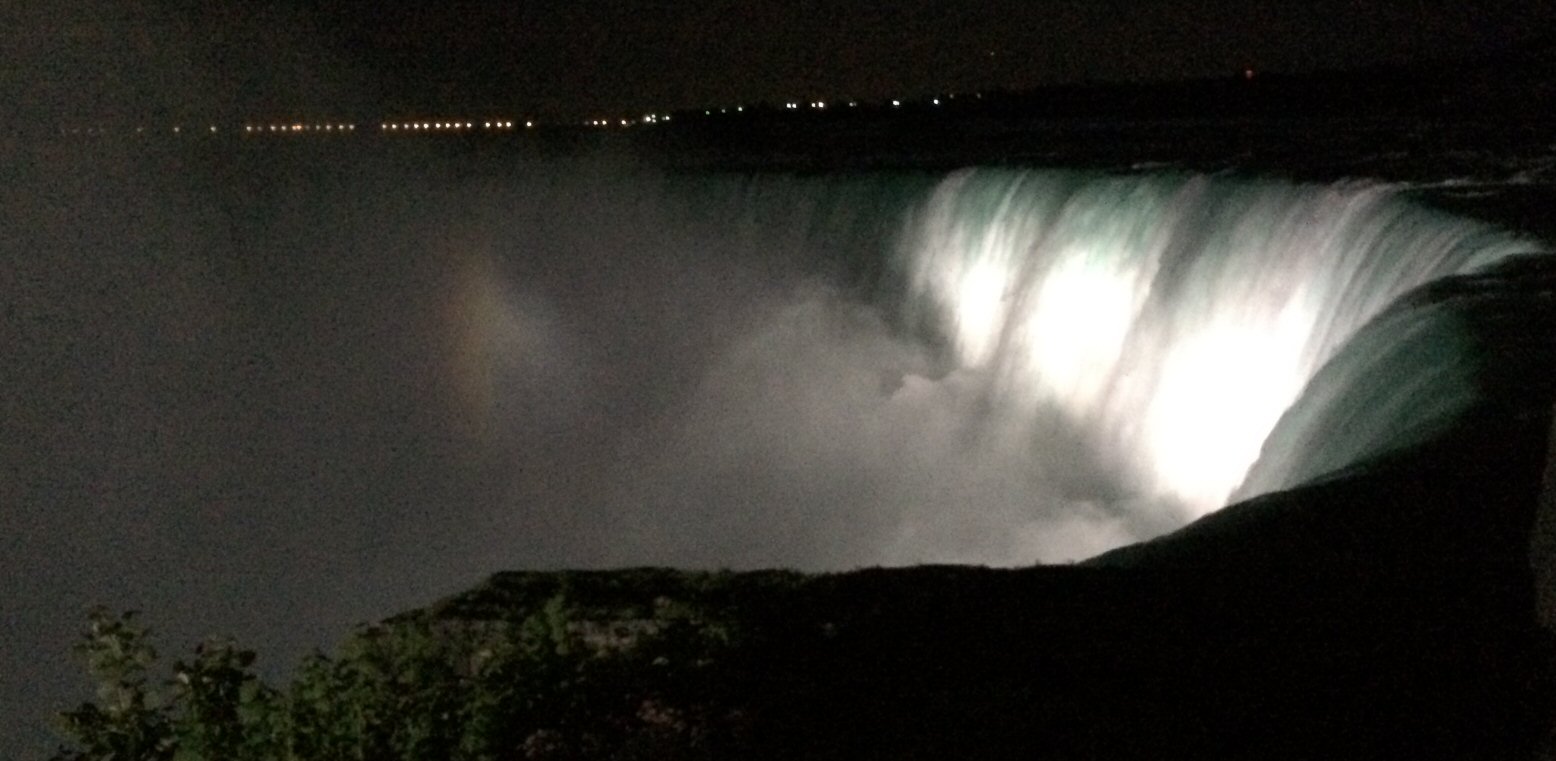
(1172, 319)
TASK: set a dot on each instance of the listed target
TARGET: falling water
(1171, 319)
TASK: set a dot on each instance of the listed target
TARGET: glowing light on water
(1218, 395)
(1075, 330)
(1171, 319)
(977, 311)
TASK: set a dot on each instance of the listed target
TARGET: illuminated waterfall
(1170, 318)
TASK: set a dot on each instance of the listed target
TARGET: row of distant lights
(178, 129)
(413, 126)
(383, 127)
(820, 105)
(295, 128)
(646, 119)
(487, 125)
(348, 127)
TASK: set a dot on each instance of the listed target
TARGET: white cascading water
(1171, 319)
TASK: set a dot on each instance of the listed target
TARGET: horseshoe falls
(1165, 323)
(988, 366)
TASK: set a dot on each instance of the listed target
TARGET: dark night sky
(568, 58)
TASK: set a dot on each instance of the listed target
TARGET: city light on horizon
(464, 124)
